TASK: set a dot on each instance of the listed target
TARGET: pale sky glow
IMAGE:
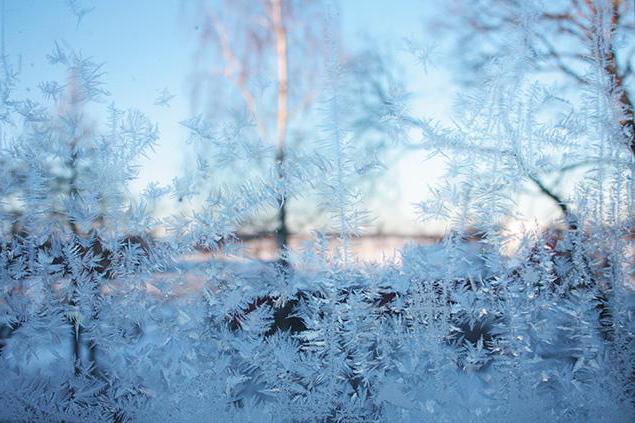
(149, 45)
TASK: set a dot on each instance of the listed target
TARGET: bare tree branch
(235, 72)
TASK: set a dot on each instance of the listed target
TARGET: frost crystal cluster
(105, 316)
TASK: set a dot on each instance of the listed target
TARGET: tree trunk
(611, 68)
(282, 232)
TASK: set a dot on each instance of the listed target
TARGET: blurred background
(185, 62)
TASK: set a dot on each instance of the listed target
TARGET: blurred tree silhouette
(563, 36)
(266, 81)
(269, 51)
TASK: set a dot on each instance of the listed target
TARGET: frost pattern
(99, 321)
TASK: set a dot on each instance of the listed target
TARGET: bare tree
(562, 35)
(268, 42)
(282, 232)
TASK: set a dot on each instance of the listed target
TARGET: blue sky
(149, 45)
